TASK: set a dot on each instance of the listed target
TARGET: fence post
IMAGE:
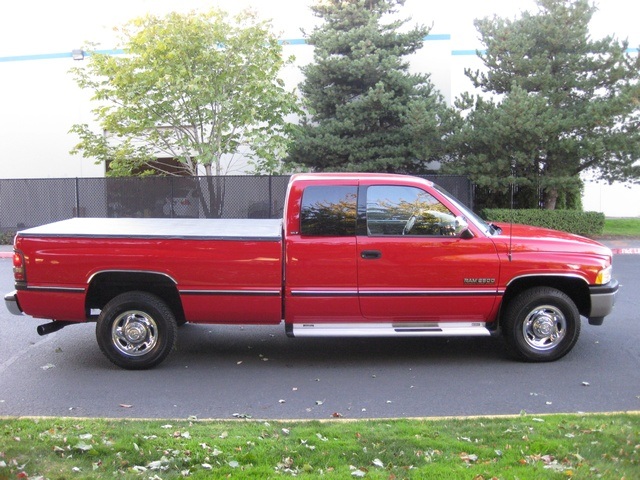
(270, 196)
(77, 197)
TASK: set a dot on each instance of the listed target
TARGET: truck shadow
(198, 343)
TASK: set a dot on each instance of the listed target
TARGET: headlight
(604, 276)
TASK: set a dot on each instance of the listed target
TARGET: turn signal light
(604, 276)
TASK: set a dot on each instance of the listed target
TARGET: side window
(329, 211)
(395, 210)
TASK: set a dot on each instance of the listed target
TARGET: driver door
(414, 266)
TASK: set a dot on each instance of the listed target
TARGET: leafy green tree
(559, 104)
(193, 88)
(365, 111)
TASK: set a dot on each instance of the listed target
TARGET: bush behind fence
(31, 202)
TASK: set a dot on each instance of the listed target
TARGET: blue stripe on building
(290, 41)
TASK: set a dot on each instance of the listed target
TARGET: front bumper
(603, 297)
(11, 302)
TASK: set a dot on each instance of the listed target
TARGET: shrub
(588, 224)
(7, 238)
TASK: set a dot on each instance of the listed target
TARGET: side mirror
(462, 228)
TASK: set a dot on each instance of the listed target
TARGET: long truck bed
(224, 271)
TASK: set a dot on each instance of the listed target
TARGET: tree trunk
(550, 197)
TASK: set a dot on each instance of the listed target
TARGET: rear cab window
(329, 211)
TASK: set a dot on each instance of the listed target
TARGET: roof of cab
(356, 176)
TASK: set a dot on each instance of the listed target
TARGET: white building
(39, 100)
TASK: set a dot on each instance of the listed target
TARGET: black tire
(136, 330)
(541, 324)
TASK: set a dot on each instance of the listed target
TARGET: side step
(405, 329)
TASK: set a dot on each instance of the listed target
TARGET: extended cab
(355, 255)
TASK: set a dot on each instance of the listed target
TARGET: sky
(36, 27)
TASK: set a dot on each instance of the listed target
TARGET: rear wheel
(541, 324)
(136, 330)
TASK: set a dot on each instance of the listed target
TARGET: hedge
(588, 224)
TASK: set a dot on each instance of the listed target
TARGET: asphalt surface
(232, 371)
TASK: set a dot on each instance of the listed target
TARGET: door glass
(397, 210)
(328, 211)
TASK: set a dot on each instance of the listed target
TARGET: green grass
(625, 227)
(523, 447)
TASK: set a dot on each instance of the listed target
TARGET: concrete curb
(626, 251)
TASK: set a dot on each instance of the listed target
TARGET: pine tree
(365, 111)
(560, 104)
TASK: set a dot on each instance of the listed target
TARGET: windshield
(469, 215)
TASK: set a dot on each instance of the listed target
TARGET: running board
(418, 329)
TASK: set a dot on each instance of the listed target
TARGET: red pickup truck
(355, 255)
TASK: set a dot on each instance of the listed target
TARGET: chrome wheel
(544, 328)
(134, 333)
(136, 330)
(541, 324)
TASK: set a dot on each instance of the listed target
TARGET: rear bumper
(11, 302)
(603, 298)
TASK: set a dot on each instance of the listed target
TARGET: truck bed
(163, 228)
(222, 270)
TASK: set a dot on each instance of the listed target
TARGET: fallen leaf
(336, 415)
(468, 457)
(83, 447)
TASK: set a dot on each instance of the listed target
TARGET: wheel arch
(105, 285)
(574, 286)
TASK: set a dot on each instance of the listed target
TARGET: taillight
(18, 267)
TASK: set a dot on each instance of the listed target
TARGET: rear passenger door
(321, 276)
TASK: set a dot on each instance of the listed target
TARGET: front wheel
(136, 330)
(541, 324)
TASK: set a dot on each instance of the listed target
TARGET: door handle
(371, 254)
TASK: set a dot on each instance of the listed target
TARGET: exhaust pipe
(48, 328)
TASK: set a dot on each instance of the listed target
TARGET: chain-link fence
(31, 202)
